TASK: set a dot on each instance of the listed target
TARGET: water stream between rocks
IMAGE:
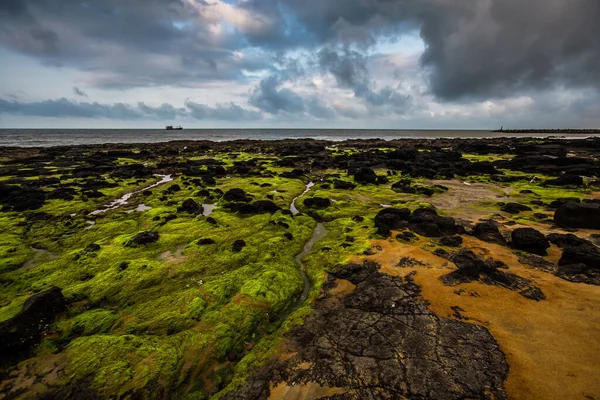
(318, 233)
(293, 208)
(125, 198)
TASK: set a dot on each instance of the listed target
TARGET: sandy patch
(552, 346)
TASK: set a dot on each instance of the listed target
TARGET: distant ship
(174, 128)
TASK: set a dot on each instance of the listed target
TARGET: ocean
(70, 137)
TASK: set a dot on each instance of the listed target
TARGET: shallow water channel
(125, 198)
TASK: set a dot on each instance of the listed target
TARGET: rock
(391, 218)
(242, 208)
(578, 215)
(317, 202)
(145, 238)
(451, 241)
(564, 200)
(382, 180)
(403, 188)
(567, 240)
(515, 208)
(236, 195)
(473, 268)
(579, 273)
(16, 198)
(365, 176)
(426, 222)
(566, 180)
(93, 194)
(62, 193)
(92, 247)
(211, 220)
(584, 254)
(406, 236)
(205, 241)
(530, 240)
(238, 245)
(345, 185)
(19, 333)
(191, 207)
(294, 174)
(382, 342)
(488, 232)
(356, 273)
(265, 206)
(173, 188)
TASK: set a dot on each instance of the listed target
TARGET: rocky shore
(363, 269)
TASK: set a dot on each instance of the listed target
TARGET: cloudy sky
(474, 64)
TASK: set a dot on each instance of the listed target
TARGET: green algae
(177, 318)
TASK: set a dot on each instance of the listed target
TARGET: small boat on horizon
(174, 128)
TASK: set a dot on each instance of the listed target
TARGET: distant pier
(550, 131)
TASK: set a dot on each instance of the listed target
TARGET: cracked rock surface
(382, 342)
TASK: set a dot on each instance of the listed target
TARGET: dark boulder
(402, 187)
(584, 254)
(173, 188)
(472, 268)
(21, 199)
(242, 208)
(236, 195)
(294, 174)
(317, 202)
(567, 240)
(211, 220)
(564, 200)
(19, 333)
(580, 273)
(191, 207)
(365, 175)
(93, 194)
(451, 241)
(356, 273)
(530, 240)
(515, 208)
(92, 247)
(345, 185)
(265, 206)
(566, 180)
(391, 218)
(382, 180)
(145, 238)
(238, 245)
(578, 215)
(62, 193)
(406, 236)
(488, 232)
(426, 222)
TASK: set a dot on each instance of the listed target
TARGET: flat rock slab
(382, 342)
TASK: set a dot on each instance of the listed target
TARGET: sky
(373, 64)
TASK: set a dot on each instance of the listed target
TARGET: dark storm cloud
(65, 108)
(474, 49)
(270, 97)
(164, 111)
(79, 92)
(223, 112)
(496, 48)
(349, 68)
(126, 44)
